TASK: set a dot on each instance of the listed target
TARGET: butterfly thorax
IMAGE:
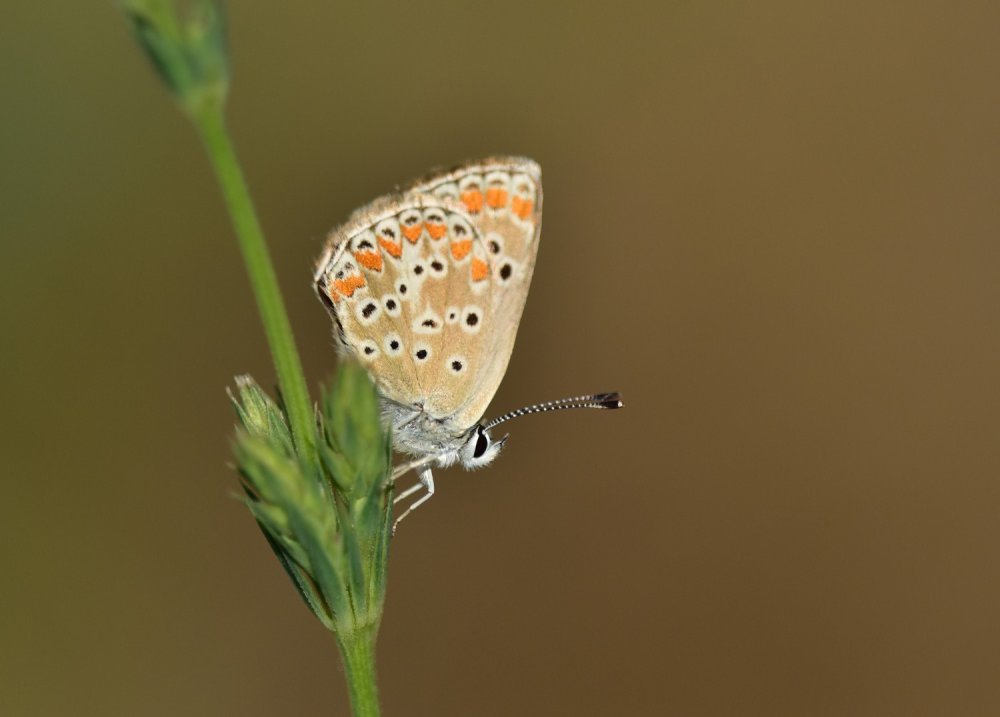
(418, 433)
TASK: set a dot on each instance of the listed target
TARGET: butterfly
(426, 287)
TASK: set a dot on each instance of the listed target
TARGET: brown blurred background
(772, 225)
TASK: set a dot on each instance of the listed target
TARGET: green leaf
(336, 467)
(329, 529)
(355, 565)
(302, 581)
(327, 564)
(261, 416)
(380, 558)
(351, 414)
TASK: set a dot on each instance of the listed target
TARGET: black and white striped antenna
(598, 400)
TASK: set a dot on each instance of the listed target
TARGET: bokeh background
(772, 225)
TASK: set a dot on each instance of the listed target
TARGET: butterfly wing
(427, 286)
(407, 282)
(503, 198)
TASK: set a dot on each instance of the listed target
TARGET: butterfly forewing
(427, 286)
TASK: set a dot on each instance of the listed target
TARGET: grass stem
(358, 651)
(264, 282)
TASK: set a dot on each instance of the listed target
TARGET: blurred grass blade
(187, 47)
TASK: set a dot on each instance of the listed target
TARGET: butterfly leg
(426, 481)
(408, 492)
(405, 468)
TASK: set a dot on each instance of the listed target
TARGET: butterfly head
(479, 448)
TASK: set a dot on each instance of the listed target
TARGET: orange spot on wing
(348, 286)
(521, 207)
(369, 259)
(480, 270)
(436, 230)
(394, 249)
(413, 232)
(496, 198)
(459, 249)
(473, 200)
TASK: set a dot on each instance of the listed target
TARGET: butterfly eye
(482, 443)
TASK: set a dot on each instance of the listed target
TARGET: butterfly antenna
(598, 400)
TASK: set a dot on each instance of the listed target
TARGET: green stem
(294, 393)
(358, 651)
